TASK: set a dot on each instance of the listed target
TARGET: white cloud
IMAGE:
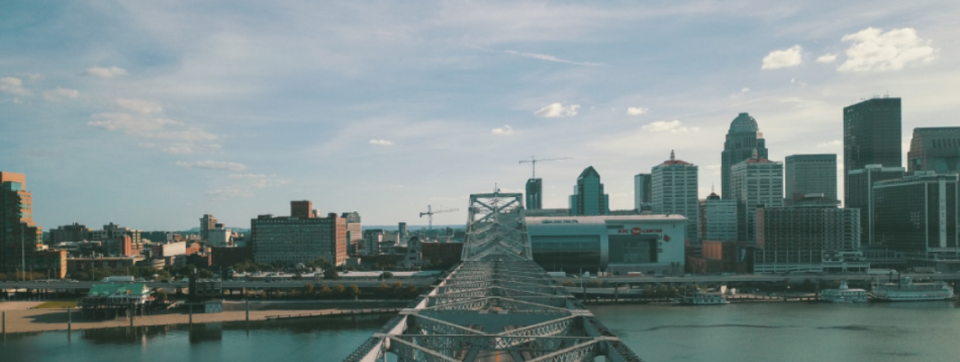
(505, 130)
(783, 58)
(139, 105)
(636, 111)
(551, 58)
(213, 165)
(33, 77)
(834, 143)
(105, 72)
(674, 126)
(13, 86)
(128, 123)
(56, 95)
(873, 49)
(381, 142)
(744, 90)
(556, 110)
(179, 150)
(827, 58)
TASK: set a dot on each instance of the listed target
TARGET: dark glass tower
(871, 136)
(588, 197)
(743, 137)
(534, 194)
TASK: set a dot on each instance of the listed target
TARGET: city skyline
(151, 126)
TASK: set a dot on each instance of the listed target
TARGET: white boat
(701, 298)
(844, 294)
(906, 290)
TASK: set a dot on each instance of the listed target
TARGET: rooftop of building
(918, 177)
(674, 161)
(589, 171)
(743, 123)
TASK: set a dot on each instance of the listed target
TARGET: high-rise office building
(207, 223)
(810, 174)
(294, 239)
(918, 214)
(871, 136)
(402, 229)
(20, 238)
(934, 149)
(588, 197)
(797, 238)
(755, 182)
(718, 219)
(641, 190)
(743, 139)
(860, 194)
(534, 194)
(674, 191)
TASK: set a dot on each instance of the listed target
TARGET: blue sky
(150, 115)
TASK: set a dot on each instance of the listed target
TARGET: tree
(354, 291)
(568, 283)
(205, 274)
(386, 275)
(331, 273)
(307, 289)
(339, 289)
(325, 290)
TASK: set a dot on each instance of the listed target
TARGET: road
(748, 278)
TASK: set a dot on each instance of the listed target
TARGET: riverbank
(19, 318)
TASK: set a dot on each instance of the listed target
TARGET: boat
(844, 294)
(701, 298)
(906, 290)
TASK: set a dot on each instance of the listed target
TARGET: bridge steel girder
(496, 302)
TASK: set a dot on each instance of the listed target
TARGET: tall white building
(674, 191)
(718, 219)
(755, 181)
(220, 236)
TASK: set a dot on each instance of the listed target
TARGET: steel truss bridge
(496, 305)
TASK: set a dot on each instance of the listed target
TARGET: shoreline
(21, 320)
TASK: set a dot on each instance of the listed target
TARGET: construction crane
(430, 213)
(534, 162)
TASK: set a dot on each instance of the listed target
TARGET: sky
(151, 114)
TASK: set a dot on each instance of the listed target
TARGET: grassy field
(60, 304)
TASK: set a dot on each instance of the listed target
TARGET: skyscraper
(755, 182)
(674, 191)
(534, 194)
(588, 197)
(871, 136)
(810, 174)
(19, 236)
(207, 223)
(934, 149)
(641, 190)
(743, 139)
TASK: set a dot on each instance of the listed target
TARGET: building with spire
(588, 197)
(674, 191)
(743, 138)
(755, 182)
(935, 149)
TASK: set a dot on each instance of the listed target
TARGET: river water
(773, 331)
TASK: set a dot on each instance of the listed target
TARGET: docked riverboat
(844, 294)
(701, 298)
(906, 290)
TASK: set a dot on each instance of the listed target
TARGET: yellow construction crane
(534, 162)
(430, 213)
